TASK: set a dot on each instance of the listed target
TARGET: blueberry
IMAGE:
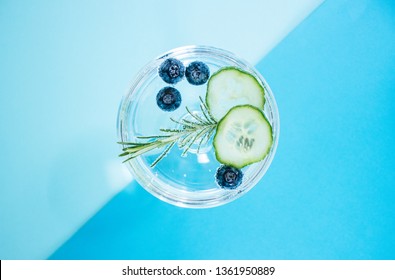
(228, 177)
(171, 70)
(168, 99)
(197, 73)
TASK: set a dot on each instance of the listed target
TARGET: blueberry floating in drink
(228, 177)
(171, 71)
(168, 99)
(197, 73)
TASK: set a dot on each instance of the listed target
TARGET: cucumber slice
(243, 136)
(231, 86)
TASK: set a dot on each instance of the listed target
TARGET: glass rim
(201, 198)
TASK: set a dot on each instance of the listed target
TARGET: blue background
(330, 191)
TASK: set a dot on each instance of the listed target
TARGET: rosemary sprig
(195, 129)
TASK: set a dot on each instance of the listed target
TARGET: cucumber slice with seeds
(231, 86)
(243, 136)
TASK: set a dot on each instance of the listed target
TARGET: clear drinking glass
(186, 181)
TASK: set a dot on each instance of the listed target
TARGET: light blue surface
(54, 118)
(330, 192)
